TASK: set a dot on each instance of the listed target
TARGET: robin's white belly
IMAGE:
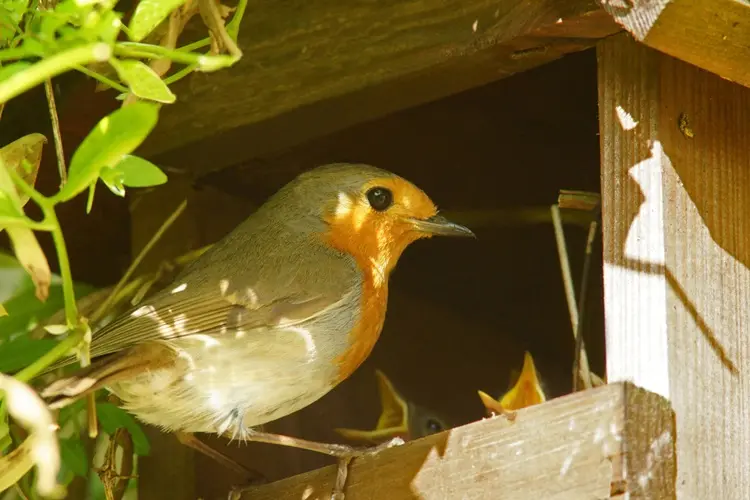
(242, 384)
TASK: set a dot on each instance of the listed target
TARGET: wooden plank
(577, 446)
(312, 68)
(675, 178)
(711, 34)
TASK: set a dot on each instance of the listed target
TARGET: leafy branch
(38, 41)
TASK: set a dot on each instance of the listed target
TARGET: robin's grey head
(357, 197)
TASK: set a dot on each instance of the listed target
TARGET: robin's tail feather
(102, 372)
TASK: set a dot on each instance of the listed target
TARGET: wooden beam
(675, 179)
(711, 34)
(312, 68)
(613, 440)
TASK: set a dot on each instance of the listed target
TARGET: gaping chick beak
(440, 226)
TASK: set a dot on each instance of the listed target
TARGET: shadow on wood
(613, 440)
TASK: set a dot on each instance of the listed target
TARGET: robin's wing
(171, 315)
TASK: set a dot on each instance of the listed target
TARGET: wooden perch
(312, 68)
(711, 34)
(601, 443)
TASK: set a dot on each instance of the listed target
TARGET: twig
(133, 265)
(146, 51)
(112, 480)
(20, 82)
(50, 217)
(580, 348)
(570, 296)
(60, 350)
(101, 78)
(20, 492)
(56, 132)
(212, 17)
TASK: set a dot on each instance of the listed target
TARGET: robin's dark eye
(380, 198)
(433, 426)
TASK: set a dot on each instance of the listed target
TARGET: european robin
(399, 418)
(269, 319)
(526, 391)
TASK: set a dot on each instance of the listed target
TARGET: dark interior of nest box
(461, 312)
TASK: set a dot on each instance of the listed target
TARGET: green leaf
(148, 15)
(22, 239)
(73, 457)
(24, 156)
(108, 27)
(112, 178)
(13, 278)
(22, 351)
(70, 412)
(138, 172)
(143, 81)
(112, 418)
(25, 311)
(132, 171)
(90, 201)
(32, 258)
(113, 137)
(11, 13)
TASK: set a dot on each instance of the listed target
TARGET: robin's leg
(250, 476)
(344, 453)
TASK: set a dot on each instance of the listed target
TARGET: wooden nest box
(490, 105)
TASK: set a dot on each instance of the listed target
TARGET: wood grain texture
(312, 68)
(577, 446)
(711, 34)
(675, 179)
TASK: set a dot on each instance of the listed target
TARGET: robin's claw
(397, 441)
(236, 492)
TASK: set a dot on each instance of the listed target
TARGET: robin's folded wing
(170, 316)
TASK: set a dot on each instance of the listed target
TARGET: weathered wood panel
(711, 34)
(675, 184)
(311, 68)
(612, 440)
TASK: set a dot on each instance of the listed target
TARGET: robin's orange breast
(364, 240)
(364, 335)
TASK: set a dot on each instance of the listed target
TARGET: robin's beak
(440, 226)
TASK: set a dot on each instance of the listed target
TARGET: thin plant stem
(25, 222)
(179, 75)
(562, 253)
(57, 352)
(212, 17)
(570, 296)
(142, 50)
(205, 42)
(101, 78)
(50, 217)
(580, 348)
(233, 26)
(13, 54)
(136, 262)
(71, 309)
(56, 132)
(20, 82)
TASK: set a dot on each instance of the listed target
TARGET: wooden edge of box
(601, 443)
